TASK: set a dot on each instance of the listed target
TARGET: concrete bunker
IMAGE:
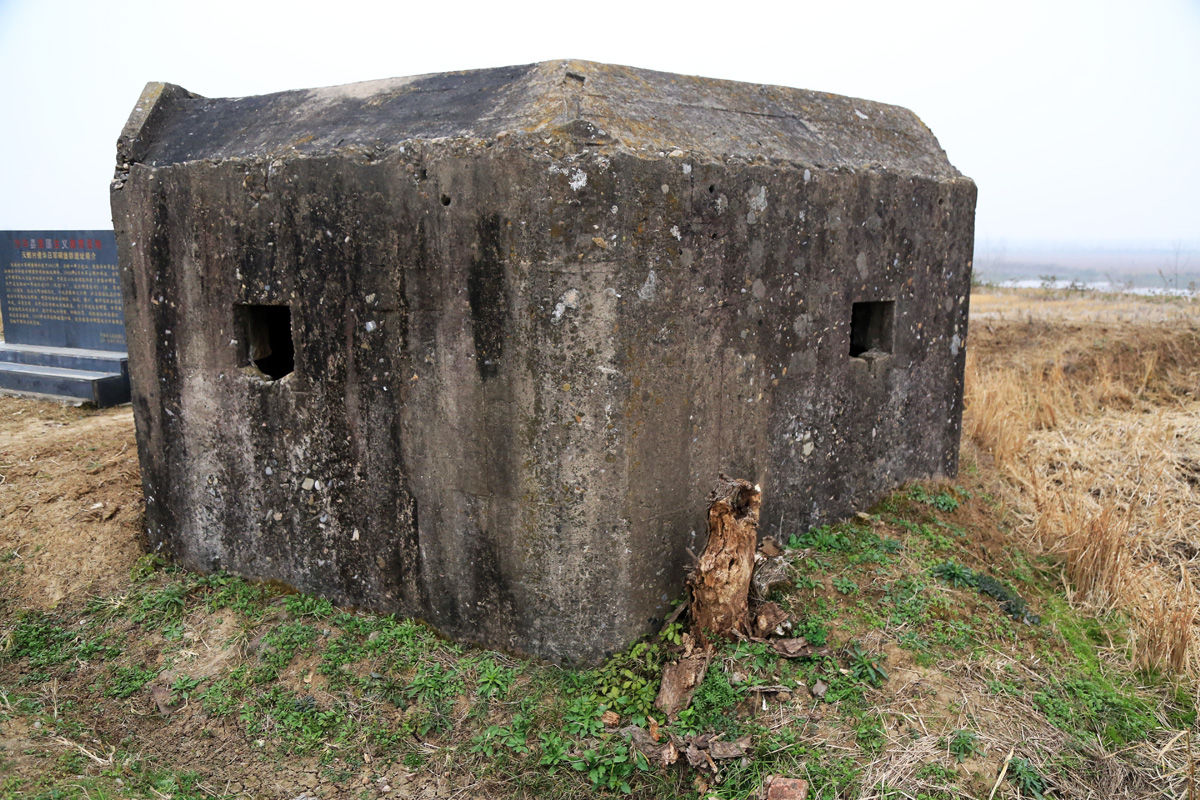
(473, 346)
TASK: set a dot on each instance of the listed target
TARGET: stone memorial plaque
(61, 289)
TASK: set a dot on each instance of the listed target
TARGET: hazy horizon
(1078, 120)
(1174, 267)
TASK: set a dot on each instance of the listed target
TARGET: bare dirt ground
(70, 500)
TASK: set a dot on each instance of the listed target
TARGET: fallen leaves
(721, 750)
(768, 619)
(721, 603)
(796, 648)
(701, 751)
(679, 681)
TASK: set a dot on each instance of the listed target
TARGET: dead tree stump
(721, 583)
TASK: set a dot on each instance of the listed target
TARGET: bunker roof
(598, 105)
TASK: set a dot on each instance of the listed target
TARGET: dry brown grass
(1087, 408)
(70, 501)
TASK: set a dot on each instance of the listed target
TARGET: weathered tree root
(721, 582)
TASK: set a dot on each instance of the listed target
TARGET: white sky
(1080, 121)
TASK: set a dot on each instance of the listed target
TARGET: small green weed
(672, 633)
(941, 783)
(307, 605)
(180, 786)
(758, 655)
(866, 667)
(832, 778)
(844, 585)
(611, 765)
(1001, 688)
(954, 574)
(248, 598)
(713, 704)
(943, 500)
(908, 601)
(964, 744)
(296, 722)
(555, 750)
(1182, 711)
(628, 682)
(223, 697)
(434, 688)
(126, 681)
(280, 646)
(857, 542)
(582, 716)
(145, 567)
(869, 735)
(1028, 780)
(806, 583)
(824, 538)
(814, 629)
(163, 605)
(1093, 705)
(38, 638)
(494, 679)
(184, 686)
(511, 737)
(71, 763)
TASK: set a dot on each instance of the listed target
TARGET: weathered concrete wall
(526, 342)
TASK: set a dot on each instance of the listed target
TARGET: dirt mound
(70, 502)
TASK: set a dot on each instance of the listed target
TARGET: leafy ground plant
(964, 744)
(1026, 778)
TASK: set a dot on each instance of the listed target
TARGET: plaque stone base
(100, 377)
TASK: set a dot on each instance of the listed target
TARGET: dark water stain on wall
(487, 293)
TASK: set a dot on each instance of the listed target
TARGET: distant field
(1163, 268)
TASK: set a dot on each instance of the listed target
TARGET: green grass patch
(355, 692)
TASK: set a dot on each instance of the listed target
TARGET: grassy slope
(196, 687)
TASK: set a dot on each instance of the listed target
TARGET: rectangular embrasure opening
(871, 328)
(264, 335)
